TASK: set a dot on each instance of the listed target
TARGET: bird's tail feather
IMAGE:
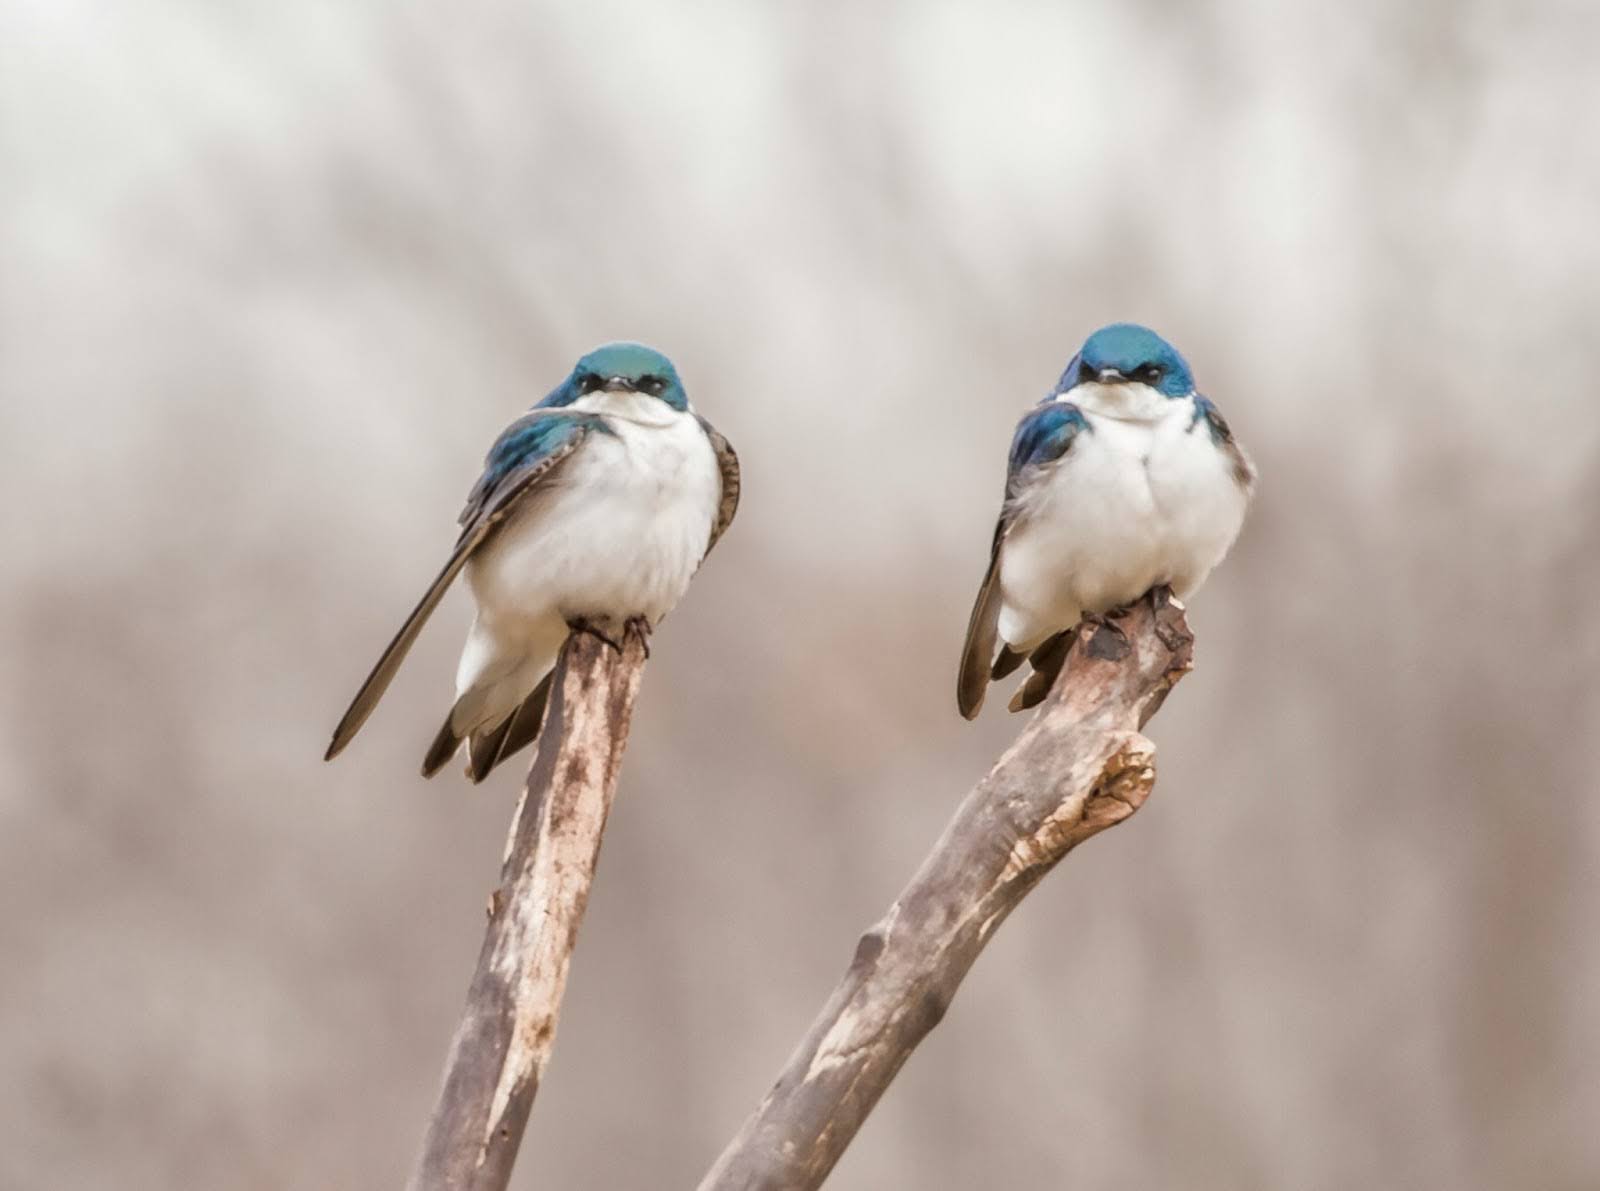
(1005, 662)
(527, 722)
(483, 749)
(1046, 661)
(488, 744)
(444, 747)
(520, 729)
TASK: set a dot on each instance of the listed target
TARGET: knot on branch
(1124, 784)
(1125, 778)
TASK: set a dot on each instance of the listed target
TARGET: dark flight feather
(983, 630)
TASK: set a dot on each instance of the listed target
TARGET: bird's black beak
(1089, 374)
(618, 384)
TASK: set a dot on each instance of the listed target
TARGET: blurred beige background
(273, 276)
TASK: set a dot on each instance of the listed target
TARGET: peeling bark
(1080, 766)
(506, 1032)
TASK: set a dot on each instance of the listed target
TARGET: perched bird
(595, 508)
(1123, 479)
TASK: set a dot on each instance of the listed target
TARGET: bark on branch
(1079, 767)
(500, 1047)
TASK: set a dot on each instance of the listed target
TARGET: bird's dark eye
(652, 385)
(1086, 370)
(588, 382)
(1148, 373)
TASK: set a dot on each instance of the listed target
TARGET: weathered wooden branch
(504, 1039)
(1079, 767)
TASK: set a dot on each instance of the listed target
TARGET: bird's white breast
(618, 532)
(1143, 496)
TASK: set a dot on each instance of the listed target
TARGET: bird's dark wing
(982, 632)
(1042, 437)
(523, 459)
(1244, 472)
(728, 465)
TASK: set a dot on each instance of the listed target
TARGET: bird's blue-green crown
(1129, 352)
(628, 365)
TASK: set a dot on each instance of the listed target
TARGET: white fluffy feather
(1144, 497)
(618, 532)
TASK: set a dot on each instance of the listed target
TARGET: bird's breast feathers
(619, 533)
(1144, 495)
(1144, 451)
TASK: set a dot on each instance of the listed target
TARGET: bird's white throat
(634, 407)
(1126, 401)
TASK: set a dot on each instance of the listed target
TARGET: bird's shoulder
(530, 447)
(1043, 436)
(1043, 439)
(1221, 434)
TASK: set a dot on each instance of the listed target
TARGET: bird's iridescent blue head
(622, 368)
(1126, 353)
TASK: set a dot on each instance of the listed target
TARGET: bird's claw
(634, 626)
(1102, 620)
(1110, 645)
(639, 626)
(582, 624)
(1159, 596)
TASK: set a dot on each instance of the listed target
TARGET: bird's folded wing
(523, 459)
(1244, 471)
(1042, 437)
(982, 633)
(728, 465)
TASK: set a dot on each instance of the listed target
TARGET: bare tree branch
(504, 1039)
(1079, 767)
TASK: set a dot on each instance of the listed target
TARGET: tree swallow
(1123, 479)
(594, 508)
